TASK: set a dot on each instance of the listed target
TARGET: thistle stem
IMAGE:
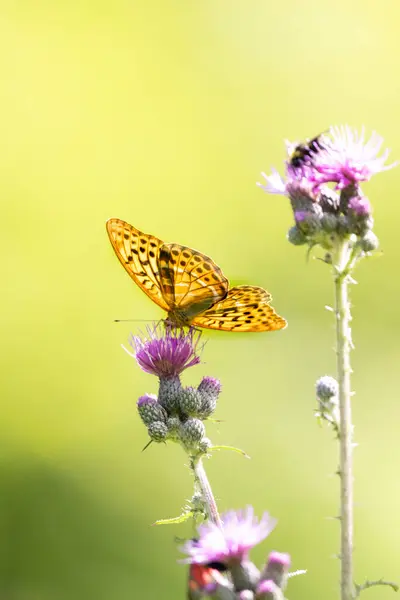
(208, 497)
(343, 341)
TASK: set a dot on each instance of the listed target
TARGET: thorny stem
(196, 464)
(369, 584)
(343, 263)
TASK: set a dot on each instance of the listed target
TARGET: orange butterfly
(189, 285)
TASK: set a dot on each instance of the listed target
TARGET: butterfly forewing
(189, 278)
(246, 308)
(138, 253)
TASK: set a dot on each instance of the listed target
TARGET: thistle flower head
(240, 532)
(322, 180)
(166, 353)
(341, 156)
(346, 158)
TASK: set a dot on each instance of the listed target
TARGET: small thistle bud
(359, 206)
(192, 431)
(158, 431)
(168, 392)
(268, 590)
(210, 386)
(189, 401)
(173, 426)
(150, 410)
(326, 387)
(296, 237)
(369, 242)
(245, 574)
(204, 445)
(277, 569)
(209, 389)
(329, 222)
(309, 223)
(359, 214)
(343, 225)
(328, 409)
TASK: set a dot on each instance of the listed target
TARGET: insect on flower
(189, 285)
(204, 579)
(303, 153)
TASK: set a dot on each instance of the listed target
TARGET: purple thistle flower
(240, 532)
(345, 158)
(166, 353)
(342, 157)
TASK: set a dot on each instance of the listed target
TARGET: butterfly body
(188, 285)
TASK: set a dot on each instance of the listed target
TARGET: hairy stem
(208, 497)
(343, 341)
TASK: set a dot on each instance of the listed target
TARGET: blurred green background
(164, 114)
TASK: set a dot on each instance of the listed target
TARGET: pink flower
(240, 532)
(345, 158)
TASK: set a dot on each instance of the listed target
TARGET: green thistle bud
(326, 387)
(329, 222)
(369, 242)
(189, 401)
(192, 431)
(150, 410)
(296, 237)
(173, 426)
(308, 222)
(204, 445)
(245, 574)
(158, 431)
(343, 226)
(327, 390)
(168, 392)
(209, 389)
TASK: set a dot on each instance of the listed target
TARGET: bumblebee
(303, 153)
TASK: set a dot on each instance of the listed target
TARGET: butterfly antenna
(133, 320)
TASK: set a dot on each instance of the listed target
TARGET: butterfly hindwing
(246, 308)
(138, 253)
(190, 281)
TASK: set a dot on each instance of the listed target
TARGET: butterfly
(189, 285)
(205, 579)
